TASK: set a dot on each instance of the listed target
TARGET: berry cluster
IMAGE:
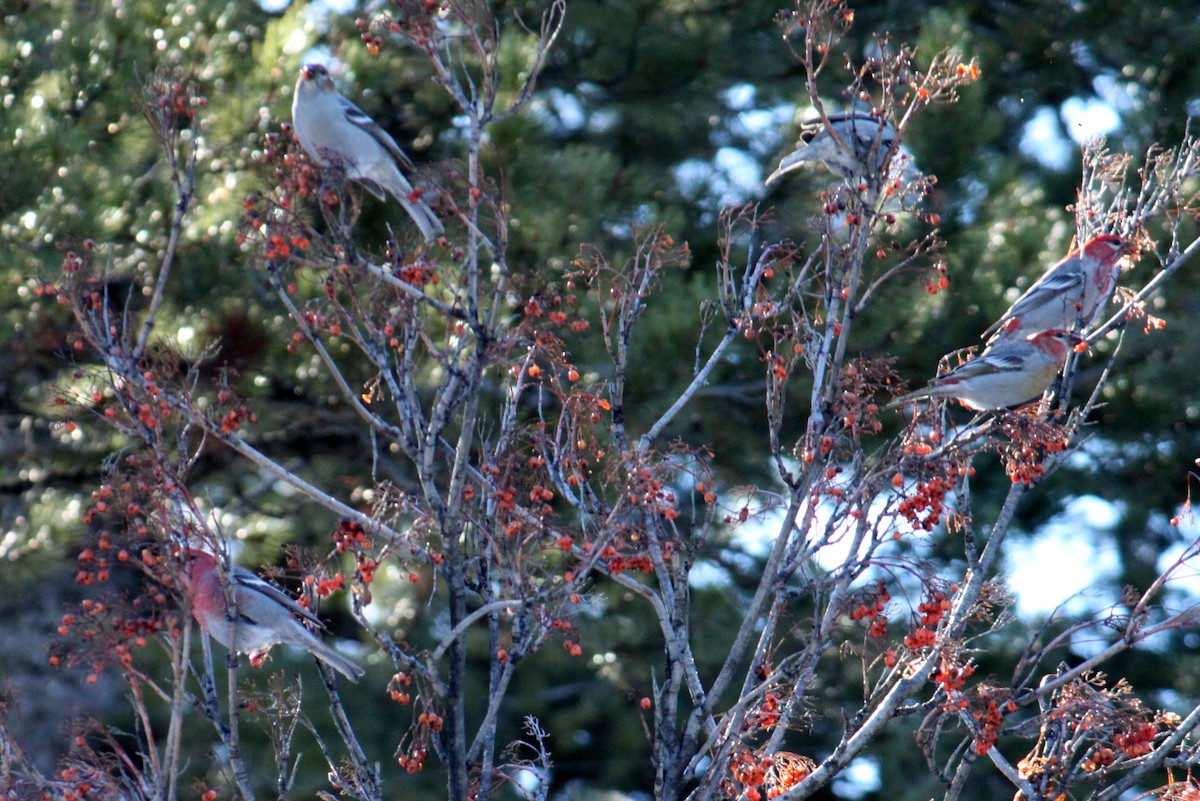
(872, 607)
(106, 630)
(754, 776)
(1029, 441)
(988, 720)
(1136, 740)
(930, 612)
(859, 382)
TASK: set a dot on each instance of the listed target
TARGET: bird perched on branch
(854, 145)
(337, 133)
(1070, 295)
(1011, 373)
(263, 616)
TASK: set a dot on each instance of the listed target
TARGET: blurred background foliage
(650, 112)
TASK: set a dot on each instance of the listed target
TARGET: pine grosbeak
(335, 132)
(1070, 295)
(853, 146)
(264, 615)
(1008, 374)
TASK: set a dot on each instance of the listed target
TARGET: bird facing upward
(853, 146)
(336, 133)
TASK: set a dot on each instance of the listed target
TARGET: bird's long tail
(423, 216)
(331, 657)
(791, 161)
(912, 397)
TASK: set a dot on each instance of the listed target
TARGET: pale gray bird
(337, 133)
(1011, 373)
(853, 146)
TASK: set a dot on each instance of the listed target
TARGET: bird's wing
(998, 361)
(848, 119)
(248, 581)
(866, 127)
(812, 127)
(789, 163)
(1056, 283)
(357, 117)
